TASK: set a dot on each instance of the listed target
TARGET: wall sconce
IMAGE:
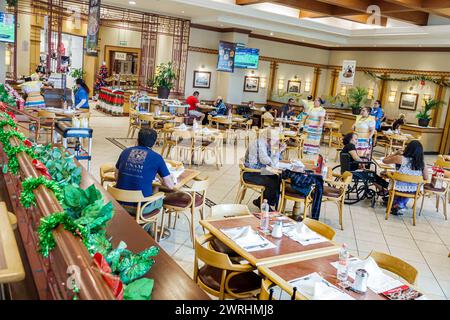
(426, 97)
(308, 85)
(296, 77)
(370, 93)
(343, 91)
(263, 83)
(392, 95)
(280, 84)
(202, 67)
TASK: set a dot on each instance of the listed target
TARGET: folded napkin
(284, 165)
(248, 239)
(377, 281)
(305, 236)
(317, 288)
(182, 127)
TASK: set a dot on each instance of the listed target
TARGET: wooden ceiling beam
(387, 9)
(437, 7)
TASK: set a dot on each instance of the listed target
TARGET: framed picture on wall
(202, 79)
(294, 86)
(408, 101)
(251, 84)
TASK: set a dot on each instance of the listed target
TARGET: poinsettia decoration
(111, 280)
(39, 166)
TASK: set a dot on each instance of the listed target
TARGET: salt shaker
(360, 284)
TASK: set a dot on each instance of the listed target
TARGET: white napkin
(248, 239)
(284, 165)
(305, 236)
(317, 288)
(298, 163)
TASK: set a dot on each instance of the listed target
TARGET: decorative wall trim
(336, 68)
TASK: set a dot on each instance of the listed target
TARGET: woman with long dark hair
(411, 163)
(81, 95)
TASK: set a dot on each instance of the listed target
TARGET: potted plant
(424, 115)
(163, 80)
(356, 98)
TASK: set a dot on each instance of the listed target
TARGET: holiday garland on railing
(27, 198)
(437, 81)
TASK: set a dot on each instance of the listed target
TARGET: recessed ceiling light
(182, 11)
(221, 25)
(271, 33)
(132, 2)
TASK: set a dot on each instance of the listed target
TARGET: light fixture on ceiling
(271, 33)
(132, 3)
(182, 11)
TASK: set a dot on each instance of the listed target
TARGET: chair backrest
(46, 114)
(146, 117)
(223, 210)
(126, 195)
(200, 186)
(440, 162)
(401, 177)
(320, 228)
(210, 257)
(107, 167)
(346, 177)
(395, 265)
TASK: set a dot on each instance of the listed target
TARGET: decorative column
(334, 81)
(383, 89)
(315, 88)
(272, 77)
(436, 113)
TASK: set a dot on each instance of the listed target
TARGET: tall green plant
(77, 73)
(164, 76)
(357, 97)
(430, 104)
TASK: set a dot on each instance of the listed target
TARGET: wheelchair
(362, 186)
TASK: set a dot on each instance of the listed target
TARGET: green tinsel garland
(13, 162)
(8, 121)
(6, 135)
(27, 197)
(46, 241)
(438, 81)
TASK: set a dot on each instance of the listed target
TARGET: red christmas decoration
(112, 281)
(28, 143)
(39, 166)
(422, 82)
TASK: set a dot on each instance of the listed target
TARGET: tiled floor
(425, 246)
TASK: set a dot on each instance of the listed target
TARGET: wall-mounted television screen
(6, 27)
(226, 56)
(246, 58)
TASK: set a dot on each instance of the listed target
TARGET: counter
(431, 137)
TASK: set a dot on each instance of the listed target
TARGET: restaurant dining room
(252, 153)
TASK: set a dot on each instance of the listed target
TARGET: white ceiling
(267, 19)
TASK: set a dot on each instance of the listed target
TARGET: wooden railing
(51, 274)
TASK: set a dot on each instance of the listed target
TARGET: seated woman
(411, 163)
(398, 122)
(358, 170)
(260, 154)
(302, 114)
(221, 108)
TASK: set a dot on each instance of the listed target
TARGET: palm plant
(164, 76)
(357, 97)
(424, 115)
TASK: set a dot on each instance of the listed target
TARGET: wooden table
(282, 274)
(286, 250)
(11, 268)
(59, 112)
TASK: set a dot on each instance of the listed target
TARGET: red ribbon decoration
(2, 107)
(28, 143)
(112, 281)
(12, 115)
(39, 166)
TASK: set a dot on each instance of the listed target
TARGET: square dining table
(281, 274)
(286, 249)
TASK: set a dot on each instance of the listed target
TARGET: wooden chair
(443, 192)
(332, 127)
(107, 173)
(395, 265)
(289, 194)
(187, 199)
(146, 121)
(244, 186)
(266, 285)
(336, 193)
(133, 123)
(336, 142)
(214, 145)
(47, 123)
(228, 211)
(142, 202)
(219, 276)
(187, 146)
(396, 142)
(320, 228)
(168, 141)
(398, 177)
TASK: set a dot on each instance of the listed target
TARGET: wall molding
(322, 47)
(334, 67)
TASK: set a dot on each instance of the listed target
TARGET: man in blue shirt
(138, 166)
(377, 113)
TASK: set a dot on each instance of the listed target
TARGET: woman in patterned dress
(364, 127)
(314, 127)
(411, 163)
